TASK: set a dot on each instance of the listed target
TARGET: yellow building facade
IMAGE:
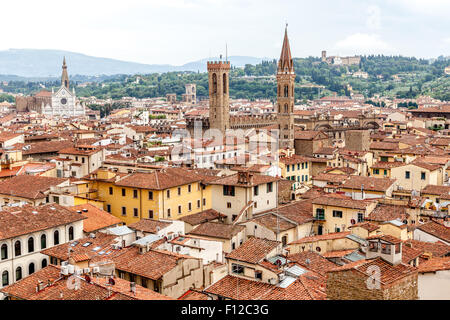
(131, 203)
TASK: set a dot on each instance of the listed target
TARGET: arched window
(5, 278)
(43, 241)
(31, 268)
(224, 83)
(18, 273)
(56, 237)
(70, 233)
(286, 108)
(4, 255)
(30, 244)
(214, 82)
(279, 90)
(44, 263)
(286, 90)
(17, 248)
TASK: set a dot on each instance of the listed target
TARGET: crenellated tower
(219, 101)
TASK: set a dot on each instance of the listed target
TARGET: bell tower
(64, 76)
(285, 95)
(219, 104)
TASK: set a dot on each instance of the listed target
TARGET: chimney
(40, 286)
(133, 287)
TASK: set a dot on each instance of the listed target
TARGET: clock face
(63, 101)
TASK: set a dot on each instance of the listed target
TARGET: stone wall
(351, 285)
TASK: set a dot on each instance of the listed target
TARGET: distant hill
(33, 63)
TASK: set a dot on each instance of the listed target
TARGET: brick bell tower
(285, 96)
(219, 99)
(64, 76)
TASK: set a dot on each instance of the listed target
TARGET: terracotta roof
(253, 250)
(194, 295)
(436, 190)
(96, 218)
(344, 203)
(201, 217)
(217, 230)
(323, 237)
(273, 222)
(149, 225)
(152, 264)
(160, 179)
(28, 186)
(387, 164)
(306, 287)
(388, 272)
(368, 183)
(435, 264)
(385, 237)
(80, 150)
(387, 212)
(56, 288)
(428, 166)
(27, 219)
(83, 246)
(293, 159)
(308, 134)
(232, 180)
(312, 261)
(383, 145)
(437, 249)
(436, 229)
(331, 177)
(409, 253)
(47, 147)
(298, 211)
(337, 253)
(366, 225)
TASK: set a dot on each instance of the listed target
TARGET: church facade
(64, 101)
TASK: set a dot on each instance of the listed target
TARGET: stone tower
(285, 96)
(65, 76)
(219, 102)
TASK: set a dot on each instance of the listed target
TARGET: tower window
(286, 90)
(286, 108)
(214, 82)
(224, 83)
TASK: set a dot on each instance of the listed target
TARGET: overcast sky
(180, 31)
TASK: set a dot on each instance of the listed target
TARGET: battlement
(218, 65)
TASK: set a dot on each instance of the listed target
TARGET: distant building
(191, 93)
(344, 61)
(447, 70)
(63, 102)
